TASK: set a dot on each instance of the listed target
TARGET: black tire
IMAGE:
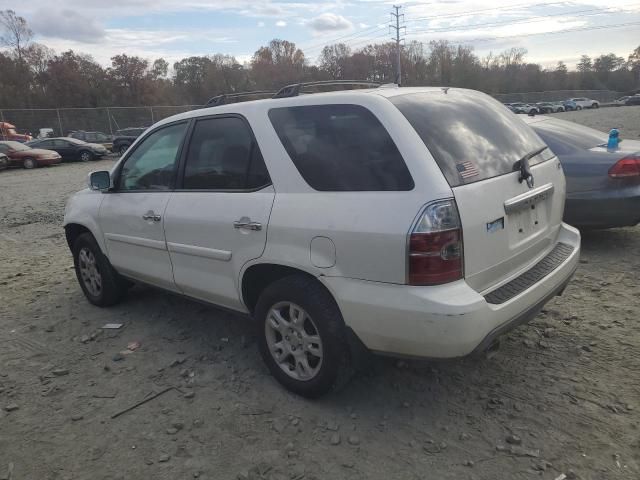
(113, 287)
(307, 293)
(86, 156)
(29, 163)
(578, 107)
(595, 105)
(122, 149)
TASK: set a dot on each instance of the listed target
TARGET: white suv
(414, 221)
(582, 102)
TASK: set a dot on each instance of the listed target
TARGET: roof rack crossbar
(222, 99)
(294, 89)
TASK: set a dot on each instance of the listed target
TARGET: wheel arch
(255, 278)
(73, 230)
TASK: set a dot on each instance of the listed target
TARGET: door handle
(150, 215)
(248, 224)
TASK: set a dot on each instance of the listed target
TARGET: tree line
(34, 76)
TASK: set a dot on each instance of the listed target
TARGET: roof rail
(294, 89)
(222, 99)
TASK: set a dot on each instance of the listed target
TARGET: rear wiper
(523, 166)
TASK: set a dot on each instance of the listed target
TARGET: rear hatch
(507, 224)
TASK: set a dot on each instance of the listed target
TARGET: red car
(23, 156)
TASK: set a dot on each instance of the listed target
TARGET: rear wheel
(578, 107)
(595, 105)
(99, 281)
(29, 163)
(301, 335)
(86, 156)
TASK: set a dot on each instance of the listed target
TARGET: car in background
(4, 161)
(22, 155)
(634, 100)
(583, 102)
(569, 105)
(123, 139)
(93, 137)
(549, 107)
(619, 102)
(71, 149)
(527, 108)
(603, 186)
(45, 133)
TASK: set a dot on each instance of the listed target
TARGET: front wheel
(86, 156)
(99, 281)
(301, 335)
(29, 163)
(578, 107)
(595, 105)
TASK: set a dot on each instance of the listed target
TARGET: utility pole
(397, 39)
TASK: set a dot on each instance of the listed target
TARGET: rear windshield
(341, 148)
(578, 136)
(471, 136)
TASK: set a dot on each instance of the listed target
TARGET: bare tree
(16, 32)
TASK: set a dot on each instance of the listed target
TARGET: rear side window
(341, 148)
(471, 136)
(223, 156)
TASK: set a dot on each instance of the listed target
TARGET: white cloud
(281, 23)
(330, 22)
(261, 24)
(67, 25)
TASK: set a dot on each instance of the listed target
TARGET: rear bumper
(604, 209)
(445, 321)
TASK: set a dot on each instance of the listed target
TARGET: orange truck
(8, 132)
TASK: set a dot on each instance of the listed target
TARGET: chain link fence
(109, 120)
(106, 120)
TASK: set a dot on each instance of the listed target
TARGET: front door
(217, 218)
(132, 216)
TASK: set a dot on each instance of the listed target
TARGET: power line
(484, 10)
(538, 18)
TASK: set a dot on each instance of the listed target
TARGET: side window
(91, 137)
(45, 144)
(151, 165)
(223, 156)
(341, 148)
(60, 143)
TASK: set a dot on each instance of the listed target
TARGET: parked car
(583, 102)
(603, 186)
(525, 108)
(45, 133)
(619, 102)
(337, 180)
(4, 161)
(8, 133)
(570, 105)
(21, 155)
(634, 100)
(548, 107)
(124, 138)
(71, 149)
(93, 137)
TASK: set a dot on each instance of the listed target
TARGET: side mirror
(100, 180)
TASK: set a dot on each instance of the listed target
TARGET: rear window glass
(471, 136)
(575, 135)
(341, 148)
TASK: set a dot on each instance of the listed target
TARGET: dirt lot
(562, 396)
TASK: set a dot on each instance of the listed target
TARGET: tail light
(435, 245)
(626, 167)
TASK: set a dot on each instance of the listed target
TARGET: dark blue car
(603, 186)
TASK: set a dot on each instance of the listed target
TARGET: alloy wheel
(89, 272)
(294, 341)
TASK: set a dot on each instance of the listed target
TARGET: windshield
(471, 136)
(17, 146)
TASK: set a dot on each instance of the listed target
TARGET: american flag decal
(467, 169)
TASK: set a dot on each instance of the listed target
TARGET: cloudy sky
(174, 29)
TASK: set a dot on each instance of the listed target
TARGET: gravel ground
(561, 396)
(626, 119)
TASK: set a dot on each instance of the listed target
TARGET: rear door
(477, 143)
(217, 219)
